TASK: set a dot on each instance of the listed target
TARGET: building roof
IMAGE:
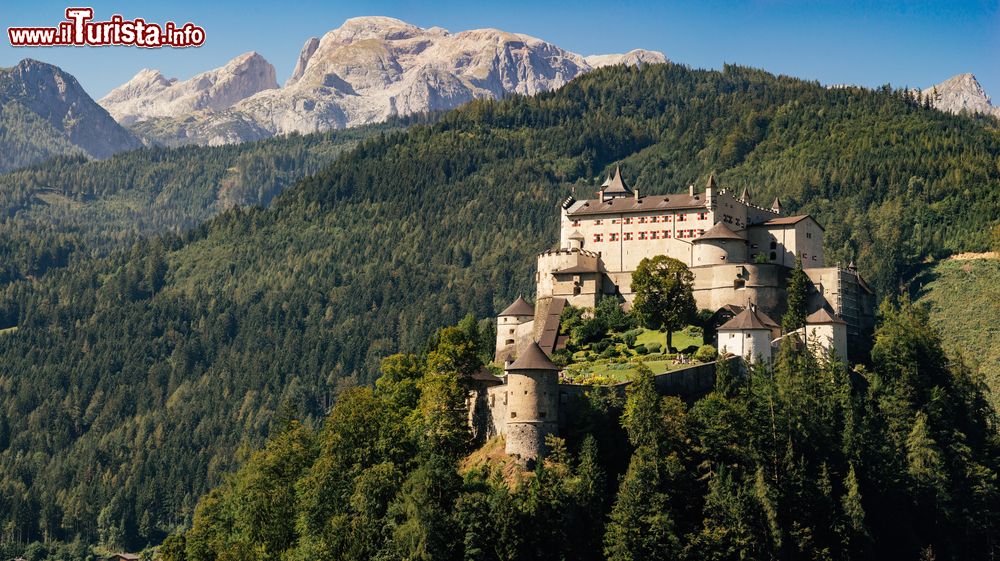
(745, 197)
(128, 556)
(618, 205)
(711, 183)
(747, 320)
(822, 316)
(719, 232)
(580, 268)
(484, 376)
(550, 325)
(776, 205)
(576, 235)
(790, 220)
(532, 358)
(615, 185)
(520, 307)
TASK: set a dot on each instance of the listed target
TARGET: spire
(745, 197)
(712, 183)
(616, 185)
(776, 205)
(532, 357)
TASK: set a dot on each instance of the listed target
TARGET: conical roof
(576, 235)
(616, 185)
(747, 320)
(532, 358)
(776, 205)
(711, 183)
(719, 232)
(745, 197)
(520, 307)
(822, 316)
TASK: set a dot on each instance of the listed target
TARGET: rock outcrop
(961, 93)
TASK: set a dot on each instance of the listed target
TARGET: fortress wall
(762, 284)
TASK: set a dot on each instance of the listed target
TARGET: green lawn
(681, 339)
(609, 371)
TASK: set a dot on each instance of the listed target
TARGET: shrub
(641, 349)
(609, 352)
(599, 346)
(694, 331)
(562, 357)
(629, 337)
(654, 347)
(706, 353)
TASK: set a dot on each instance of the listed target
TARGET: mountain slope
(367, 70)
(55, 97)
(132, 384)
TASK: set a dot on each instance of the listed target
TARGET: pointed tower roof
(532, 358)
(616, 185)
(520, 307)
(745, 197)
(747, 320)
(822, 316)
(711, 183)
(776, 205)
(576, 235)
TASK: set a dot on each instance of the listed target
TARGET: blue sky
(858, 42)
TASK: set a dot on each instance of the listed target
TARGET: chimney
(691, 190)
(600, 195)
(637, 197)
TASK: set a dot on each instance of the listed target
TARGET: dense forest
(802, 460)
(132, 383)
(68, 207)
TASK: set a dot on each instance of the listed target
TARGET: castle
(741, 255)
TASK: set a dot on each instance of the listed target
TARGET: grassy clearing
(963, 298)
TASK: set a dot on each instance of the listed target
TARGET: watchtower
(532, 403)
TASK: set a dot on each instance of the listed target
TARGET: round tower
(532, 403)
(518, 313)
(718, 246)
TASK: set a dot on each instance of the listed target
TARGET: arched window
(774, 256)
(774, 244)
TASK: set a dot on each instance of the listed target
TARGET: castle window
(702, 215)
(809, 235)
(598, 222)
(653, 234)
(613, 237)
(642, 235)
(814, 257)
(805, 256)
(628, 236)
(739, 284)
(701, 231)
(576, 222)
(509, 342)
(680, 218)
(774, 256)
(598, 237)
(642, 220)
(511, 331)
(666, 234)
(627, 220)
(614, 221)
(541, 414)
(513, 414)
(774, 245)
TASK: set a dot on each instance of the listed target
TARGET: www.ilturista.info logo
(78, 30)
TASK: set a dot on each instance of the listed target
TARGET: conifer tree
(797, 298)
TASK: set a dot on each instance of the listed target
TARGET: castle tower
(826, 334)
(518, 313)
(776, 206)
(532, 403)
(746, 335)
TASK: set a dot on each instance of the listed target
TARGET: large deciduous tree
(664, 297)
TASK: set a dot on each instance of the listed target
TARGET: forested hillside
(75, 206)
(802, 460)
(132, 383)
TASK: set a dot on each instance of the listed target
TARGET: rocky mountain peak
(961, 93)
(57, 98)
(149, 94)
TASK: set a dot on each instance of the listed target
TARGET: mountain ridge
(367, 70)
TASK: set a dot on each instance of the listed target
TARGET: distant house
(123, 557)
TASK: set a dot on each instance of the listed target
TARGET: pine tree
(798, 298)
